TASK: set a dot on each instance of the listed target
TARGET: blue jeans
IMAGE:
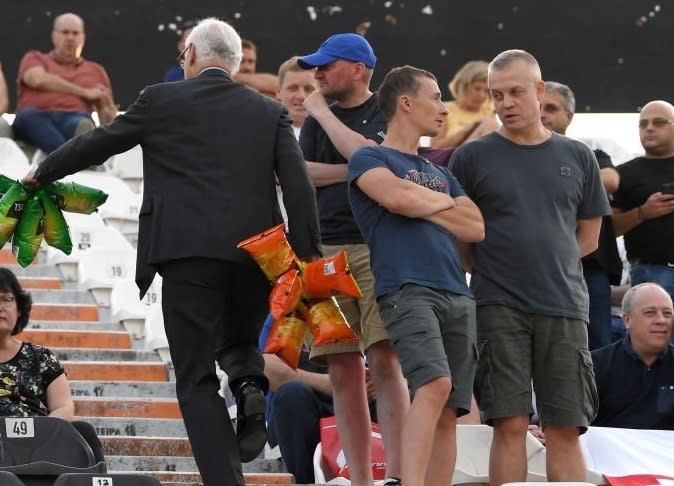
(47, 130)
(659, 274)
(618, 330)
(599, 290)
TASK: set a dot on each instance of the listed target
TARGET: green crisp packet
(28, 233)
(5, 183)
(54, 225)
(11, 207)
(76, 198)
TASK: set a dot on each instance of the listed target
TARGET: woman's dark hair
(24, 302)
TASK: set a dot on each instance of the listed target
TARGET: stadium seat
(9, 479)
(37, 449)
(155, 334)
(123, 205)
(127, 308)
(13, 162)
(38, 156)
(85, 238)
(128, 166)
(100, 268)
(115, 479)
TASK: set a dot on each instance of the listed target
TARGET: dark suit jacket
(211, 148)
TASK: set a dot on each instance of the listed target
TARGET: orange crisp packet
(327, 323)
(286, 294)
(286, 338)
(271, 250)
(326, 277)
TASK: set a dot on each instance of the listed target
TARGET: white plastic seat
(13, 162)
(84, 238)
(127, 308)
(38, 156)
(123, 205)
(100, 268)
(128, 166)
(155, 334)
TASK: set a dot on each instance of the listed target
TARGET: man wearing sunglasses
(644, 203)
(212, 150)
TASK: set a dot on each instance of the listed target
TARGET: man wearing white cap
(330, 134)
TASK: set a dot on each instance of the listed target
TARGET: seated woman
(32, 381)
(471, 114)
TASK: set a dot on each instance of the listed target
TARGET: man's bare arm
(587, 231)
(657, 204)
(400, 196)
(464, 220)
(265, 83)
(37, 78)
(322, 174)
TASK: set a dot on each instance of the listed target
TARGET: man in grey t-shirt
(542, 201)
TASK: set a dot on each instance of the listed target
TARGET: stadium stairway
(125, 391)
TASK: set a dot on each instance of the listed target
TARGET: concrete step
(61, 296)
(123, 389)
(83, 354)
(33, 270)
(53, 338)
(189, 479)
(77, 325)
(137, 426)
(146, 446)
(183, 464)
(32, 283)
(64, 312)
(161, 408)
(114, 370)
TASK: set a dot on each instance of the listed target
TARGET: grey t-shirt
(531, 197)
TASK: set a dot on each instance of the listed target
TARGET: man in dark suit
(211, 150)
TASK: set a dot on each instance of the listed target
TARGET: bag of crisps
(28, 233)
(76, 198)
(326, 277)
(327, 323)
(272, 252)
(12, 205)
(5, 183)
(286, 294)
(54, 225)
(286, 339)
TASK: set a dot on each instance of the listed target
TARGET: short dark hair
(399, 81)
(248, 44)
(24, 302)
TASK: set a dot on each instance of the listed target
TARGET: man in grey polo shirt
(542, 200)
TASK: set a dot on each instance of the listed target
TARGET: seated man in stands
(5, 129)
(59, 90)
(32, 381)
(635, 376)
(265, 83)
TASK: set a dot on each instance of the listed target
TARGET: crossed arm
(460, 216)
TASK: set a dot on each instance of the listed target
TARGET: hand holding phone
(667, 188)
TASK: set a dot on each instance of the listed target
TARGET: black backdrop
(615, 54)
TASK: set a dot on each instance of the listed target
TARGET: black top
(651, 241)
(606, 257)
(631, 394)
(336, 219)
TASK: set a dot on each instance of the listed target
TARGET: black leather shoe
(251, 428)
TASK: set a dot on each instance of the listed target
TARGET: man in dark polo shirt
(644, 203)
(635, 376)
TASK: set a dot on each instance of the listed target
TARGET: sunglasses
(181, 57)
(656, 122)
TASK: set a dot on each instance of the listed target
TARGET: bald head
(68, 18)
(656, 129)
(68, 37)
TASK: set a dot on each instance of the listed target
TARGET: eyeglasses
(656, 122)
(6, 302)
(182, 56)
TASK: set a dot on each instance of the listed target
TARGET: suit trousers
(213, 310)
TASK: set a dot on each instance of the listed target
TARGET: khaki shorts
(515, 348)
(361, 314)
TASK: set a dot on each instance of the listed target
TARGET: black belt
(646, 261)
